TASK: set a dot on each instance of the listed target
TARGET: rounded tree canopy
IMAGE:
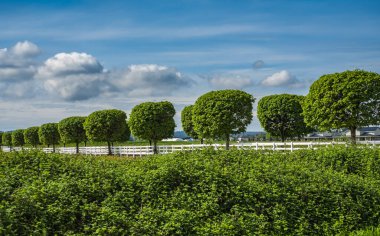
(71, 129)
(31, 136)
(7, 138)
(220, 113)
(152, 120)
(350, 99)
(281, 115)
(105, 125)
(49, 134)
(187, 121)
(18, 137)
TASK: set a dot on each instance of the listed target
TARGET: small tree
(126, 135)
(71, 130)
(49, 135)
(350, 99)
(281, 115)
(152, 121)
(18, 138)
(106, 125)
(1, 139)
(187, 121)
(218, 114)
(7, 139)
(31, 136)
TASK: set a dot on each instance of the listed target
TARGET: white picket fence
(137, 151)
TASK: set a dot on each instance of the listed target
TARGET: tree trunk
(155, 151)
(353, 135)
(150, 142)
(85, 143)
(109, 148)
(201, 140)
(77, 150)
(227, 141)
(64, 145)
(53, 147)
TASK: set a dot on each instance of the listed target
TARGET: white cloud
(63, 64)
(73, 76)
(282, 78)
(25, 49)
(17, 63)
(150, 80)
(234, 81)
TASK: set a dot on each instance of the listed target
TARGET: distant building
(366, 133)
(362, 134)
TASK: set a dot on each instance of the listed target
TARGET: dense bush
(209, 192)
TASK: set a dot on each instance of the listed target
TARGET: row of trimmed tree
(350, 99)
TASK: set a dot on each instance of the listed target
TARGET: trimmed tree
(281, 116)
(152, 121)
(31, 136)
(126, 135)
(218, 114)
(49, 135)
(187, 121)
(71, 130)
(106, 126)
(7, 139)
(18, 138)
(350, 99)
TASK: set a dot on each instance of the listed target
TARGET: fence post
(291, 146)
(257, 146)
(274, 146)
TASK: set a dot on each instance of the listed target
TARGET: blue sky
(65, 58)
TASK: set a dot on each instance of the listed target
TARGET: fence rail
(138, 151)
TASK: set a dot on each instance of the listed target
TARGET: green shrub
(328, 191)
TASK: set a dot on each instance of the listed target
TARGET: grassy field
(325, 192)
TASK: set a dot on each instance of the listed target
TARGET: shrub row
(329, 191)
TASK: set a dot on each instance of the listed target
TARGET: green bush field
(329, 191)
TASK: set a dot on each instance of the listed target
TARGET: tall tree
(7, 139)
(350, 99)
(18, 138)
(187, 121)
(1, 139)
(71, 130)
(31, 136)
(152, 121)
(281, 116)
(49, 134)
(218, 114)
(106, 126)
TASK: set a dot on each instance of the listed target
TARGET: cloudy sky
(66, 58)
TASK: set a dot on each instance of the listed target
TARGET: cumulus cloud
(25, 49)
(151, 80)
(73, 76)
(230, 81)
(258, 64)
(17, 63)
(282, 78)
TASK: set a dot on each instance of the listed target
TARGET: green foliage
(18, 138)
(71, 130)
(350, 99)
(7, 138)
(152, 121)
(31, 136)
(187, 121)
(1, 138)
(281, 115)
(324, 192)
(106, 125)
(49, 135)
(126, 135)
(217, 114)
